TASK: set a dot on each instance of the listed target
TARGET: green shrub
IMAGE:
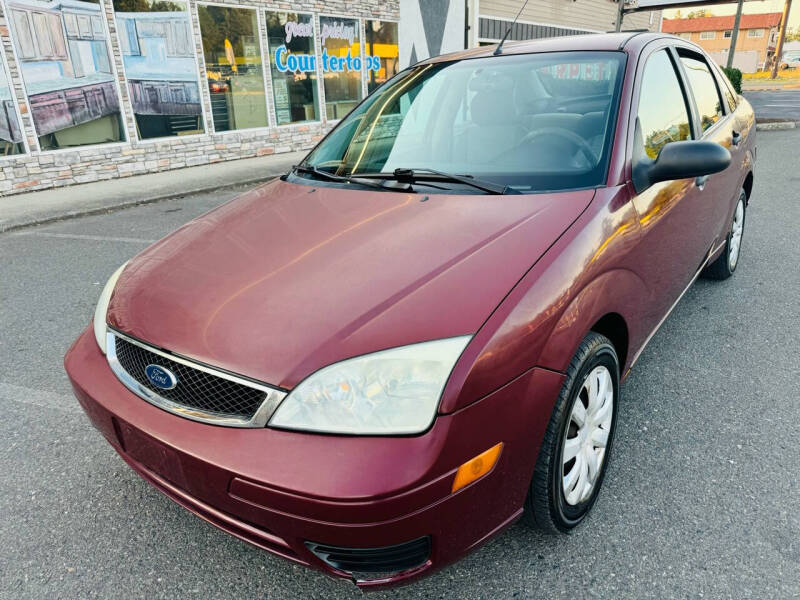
(735, 75)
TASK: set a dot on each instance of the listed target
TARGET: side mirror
(678, 160)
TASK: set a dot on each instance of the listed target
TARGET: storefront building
(97, 89)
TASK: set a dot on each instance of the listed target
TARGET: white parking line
(40, 398)
(94, 238)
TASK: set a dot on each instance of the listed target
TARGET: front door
(716, 125)
(673, 216)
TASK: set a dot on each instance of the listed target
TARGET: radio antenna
(499, 49)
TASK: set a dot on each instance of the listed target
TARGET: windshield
(532, 122)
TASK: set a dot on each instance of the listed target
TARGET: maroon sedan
(378, 361)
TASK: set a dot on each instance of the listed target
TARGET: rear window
(728, 91)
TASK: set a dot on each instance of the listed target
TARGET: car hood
(289, 278)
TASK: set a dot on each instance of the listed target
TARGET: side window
(662, 114)
(706, 94)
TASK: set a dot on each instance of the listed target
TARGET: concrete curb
(776, 126)
(123, 204)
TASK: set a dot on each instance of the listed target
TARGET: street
(775, 105)
(702, 496)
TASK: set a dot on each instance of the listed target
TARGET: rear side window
(663, 116)
(730, 94)
(704, 87)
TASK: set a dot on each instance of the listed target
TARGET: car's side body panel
(535, 315)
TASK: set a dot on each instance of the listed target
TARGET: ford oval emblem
(161, 377)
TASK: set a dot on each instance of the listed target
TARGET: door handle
(736, 138)
(700, 182)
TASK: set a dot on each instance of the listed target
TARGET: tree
(793, 34)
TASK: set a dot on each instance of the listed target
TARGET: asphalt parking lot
(775, 104)
(702, 497)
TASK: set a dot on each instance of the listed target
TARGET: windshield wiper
(419, 175)
(340, 178)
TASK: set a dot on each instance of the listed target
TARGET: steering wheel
(580, 143)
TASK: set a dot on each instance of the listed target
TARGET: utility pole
(735, 33)
(781, 36)
(620, 14)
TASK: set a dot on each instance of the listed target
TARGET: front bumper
(285, 491)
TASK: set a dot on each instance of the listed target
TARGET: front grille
(384, 560)
(196, 389)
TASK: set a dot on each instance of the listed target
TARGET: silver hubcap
(737, 229)
(586, 437)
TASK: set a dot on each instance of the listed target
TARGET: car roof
(629, 41)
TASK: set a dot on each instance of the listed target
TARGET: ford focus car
(378, 361)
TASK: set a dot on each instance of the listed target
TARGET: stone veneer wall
(38, 170)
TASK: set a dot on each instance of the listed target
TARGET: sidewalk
(772, 86)
(33, 208)
(759, 84)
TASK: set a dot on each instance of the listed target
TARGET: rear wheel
(725, 264)
(576, 446)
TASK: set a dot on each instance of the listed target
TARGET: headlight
(389, 392)
(102, 309)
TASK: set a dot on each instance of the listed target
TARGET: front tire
(725, 264)
(576, 446)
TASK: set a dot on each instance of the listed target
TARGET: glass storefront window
(341, 64)
(232, 52)
(159, 59)
(382, 51)
(10, 130)
(294, 67)
(66, 67)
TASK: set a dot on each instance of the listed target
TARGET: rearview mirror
(679, 160)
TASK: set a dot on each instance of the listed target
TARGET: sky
(755, 6)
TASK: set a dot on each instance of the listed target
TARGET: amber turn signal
(477, 467)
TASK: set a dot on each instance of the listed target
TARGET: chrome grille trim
(272, 399)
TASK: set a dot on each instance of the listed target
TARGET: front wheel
(575, 450)
(725, 264)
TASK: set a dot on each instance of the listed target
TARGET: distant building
(755, 45)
